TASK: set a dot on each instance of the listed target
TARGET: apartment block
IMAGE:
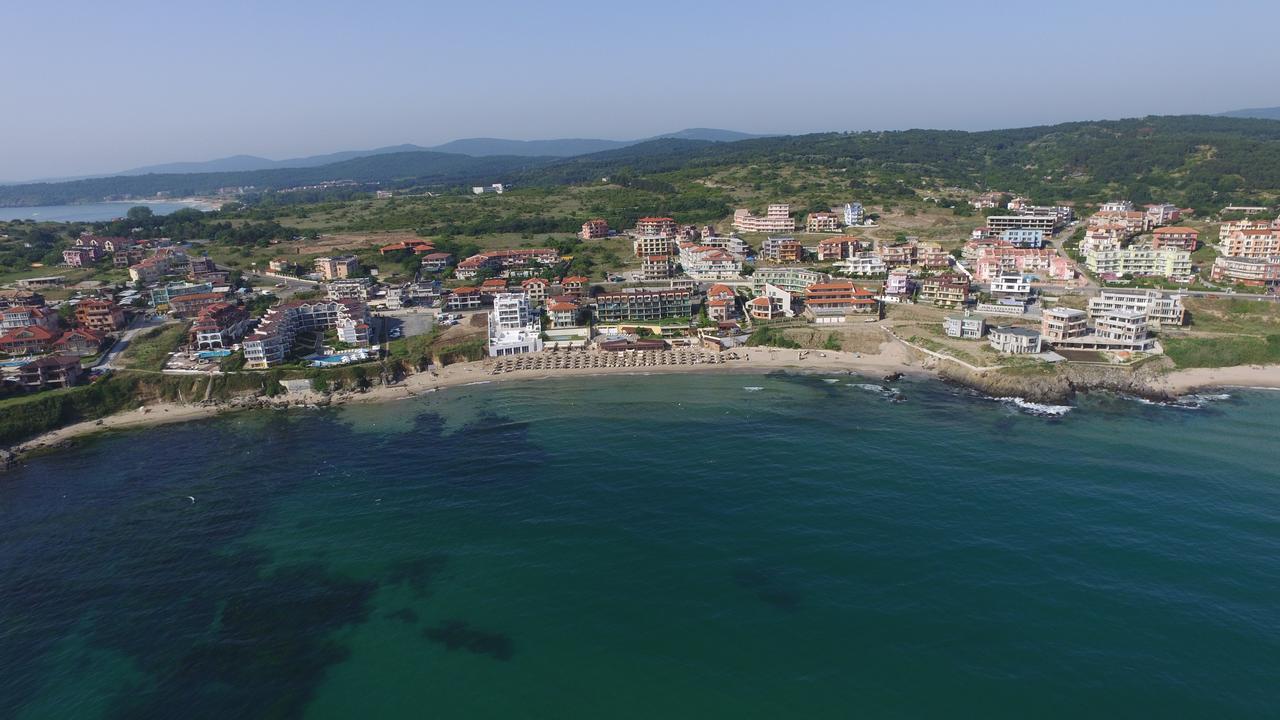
(777, 218)
(1158, 308)
(643, 304)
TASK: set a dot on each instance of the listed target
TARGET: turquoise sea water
(670, 546)
(87, 212)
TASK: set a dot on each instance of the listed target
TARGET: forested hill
(1191, 159)
(415, 168)
(1194, 158)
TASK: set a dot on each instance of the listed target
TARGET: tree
(139, 213)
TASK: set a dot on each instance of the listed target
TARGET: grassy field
(149, 350)
(1223, 351)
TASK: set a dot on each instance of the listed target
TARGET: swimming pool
(210, 354)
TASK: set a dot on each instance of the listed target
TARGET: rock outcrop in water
(1058, 384)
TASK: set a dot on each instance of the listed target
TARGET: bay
(667, 546)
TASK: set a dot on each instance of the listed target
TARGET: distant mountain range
(475, 147)
(1268, 113)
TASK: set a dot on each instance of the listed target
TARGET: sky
(97, 87)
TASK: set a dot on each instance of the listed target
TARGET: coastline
(893, 358)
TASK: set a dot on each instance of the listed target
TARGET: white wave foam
(752, 388)
(830, 380)
(1036, 408)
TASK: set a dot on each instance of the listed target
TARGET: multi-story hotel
(1000, 259)
(781, 249)
(1015, 340)
(776, 219)
(513, 326)
(332, 268)
(657, 226)
(946, 290)
(464, 298)
(1255, 243)
(790, 279)
(997, 224)
(822, 222)
(1158, 308)
(271, 340)
(863, 264)
(831, 302)
(658, 267)
(1023, 237)
(99, 314)
(650, 245)
(1168, 262)
(1253, 272)
(506, 260)
(349, 289)
(1059, 324)
(594, 229)
(1178, 238)
(853, 213)
(643, 304)
(840, 248)
(702, 262)
(219, 326)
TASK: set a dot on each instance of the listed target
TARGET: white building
(1015, 340)
(776, 219)
(1011, 285)
(349, 289)
(1172, 263)
(853, 213)
(863, 263)
(703, 262)
(513, 327)
(969, 327)
(1157, 307)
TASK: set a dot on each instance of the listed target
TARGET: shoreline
(893, 358)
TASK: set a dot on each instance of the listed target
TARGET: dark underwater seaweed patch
(460, 635)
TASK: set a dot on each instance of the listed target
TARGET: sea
(91, 212)
(669, 546)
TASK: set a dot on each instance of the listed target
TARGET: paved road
(140, 324)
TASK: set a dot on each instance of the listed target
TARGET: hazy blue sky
(93, 86)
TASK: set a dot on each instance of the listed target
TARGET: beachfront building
(781, 250)
(1015, 340)
(219, 326)
(1060, 324)
(945, 290)
(657, 227)
(790, 279)
(722, 303)
(273, 338)
(564, 311)
(968, 327)
(513, 326)
(643, 304)
(1158, 308)
(1252, 272)
(55, 371)
(822, 222)
(1176, 237)
(853, 213)
(863, 264)
(1170, 263)
(765, 307)
(834, 301)
(333, 268)
(349, 289)
(777, 218)
(594, 229)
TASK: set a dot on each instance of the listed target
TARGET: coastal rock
(1058, 384)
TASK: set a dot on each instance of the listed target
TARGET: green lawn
(1224, 351)
(149, 350)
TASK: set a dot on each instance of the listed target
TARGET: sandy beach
(892, 358)
(1181, 382)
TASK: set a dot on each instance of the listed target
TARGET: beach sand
(893, 357)
(1181, 382)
